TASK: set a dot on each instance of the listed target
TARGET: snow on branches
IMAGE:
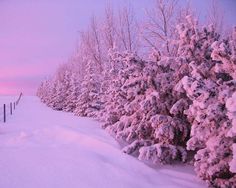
(208, 86)
(144, 97)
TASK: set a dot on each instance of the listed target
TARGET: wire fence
(7, 110)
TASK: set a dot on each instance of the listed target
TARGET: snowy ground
(42, 148)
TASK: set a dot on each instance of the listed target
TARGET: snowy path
(42, 148)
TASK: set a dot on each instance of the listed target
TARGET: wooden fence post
(11, 108)
(4, 113)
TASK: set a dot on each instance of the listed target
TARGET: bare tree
(110, 35)
(183, 11)
(96, 41)
(216, 17)
(91, 44)
(127, 30)
(159, 27)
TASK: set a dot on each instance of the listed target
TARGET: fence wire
(9, 109)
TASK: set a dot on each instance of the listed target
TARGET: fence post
(18, 100)
(11, 108)
(14, 105)
(4, 113)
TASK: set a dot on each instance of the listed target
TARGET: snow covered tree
(180, 102)
(109, 74)
(72, 93)
(114, 99)
(43, 90)
(162, 129)
(208, 86)
(231, 107)
(62, 85)
(61, 90)
(141, 96)
(119, 91)
(88, 102)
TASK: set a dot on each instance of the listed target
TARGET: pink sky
(37, 36)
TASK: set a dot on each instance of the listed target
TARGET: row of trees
(179, 102)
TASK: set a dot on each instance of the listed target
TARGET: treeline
(166, 87)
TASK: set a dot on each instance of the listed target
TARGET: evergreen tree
(88, 101)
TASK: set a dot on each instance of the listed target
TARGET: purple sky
(37, 36)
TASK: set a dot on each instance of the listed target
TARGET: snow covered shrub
(208, 87)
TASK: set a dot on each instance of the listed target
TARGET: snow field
(42, 148)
